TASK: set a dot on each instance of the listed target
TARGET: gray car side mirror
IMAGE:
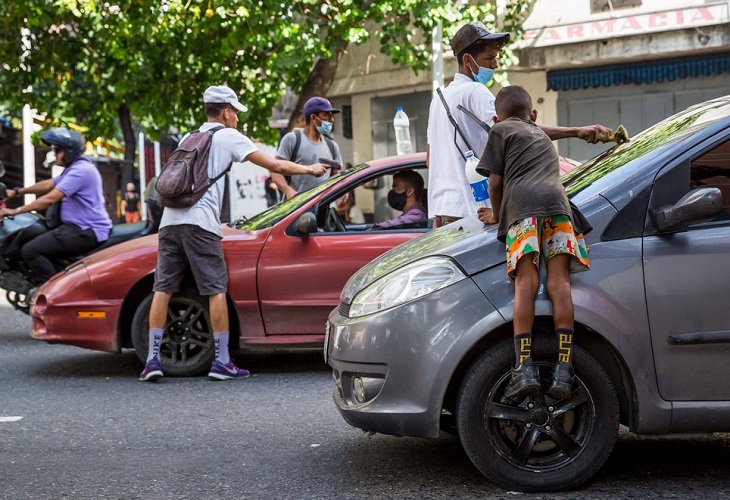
(699, 205)
(306, 223)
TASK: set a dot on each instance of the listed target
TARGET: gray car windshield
(651, 142)
(275, 213)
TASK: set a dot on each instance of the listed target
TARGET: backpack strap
(217, 177)
(331, 145)
(298, 142)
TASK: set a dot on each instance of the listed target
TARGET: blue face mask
(484, 75)
(324, 127)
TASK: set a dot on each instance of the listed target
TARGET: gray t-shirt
(308, 154)
(525, 157)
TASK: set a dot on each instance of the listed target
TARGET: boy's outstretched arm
(589, 133)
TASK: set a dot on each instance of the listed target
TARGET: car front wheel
(538, 444)
(187, 345)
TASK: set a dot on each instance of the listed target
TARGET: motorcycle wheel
(187, 345)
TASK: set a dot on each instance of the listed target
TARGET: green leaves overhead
(87, 61)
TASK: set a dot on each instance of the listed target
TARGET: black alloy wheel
(538, 444)
(187, 345)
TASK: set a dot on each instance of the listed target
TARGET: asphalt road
(89, 429)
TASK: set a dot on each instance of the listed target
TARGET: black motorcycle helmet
(72, 142)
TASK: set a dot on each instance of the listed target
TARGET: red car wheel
(187, 345)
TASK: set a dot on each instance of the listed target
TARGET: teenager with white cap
(190, 238)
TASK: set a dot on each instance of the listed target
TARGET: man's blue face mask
(324, 127)
(484, 75)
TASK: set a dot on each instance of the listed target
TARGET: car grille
(344, 310)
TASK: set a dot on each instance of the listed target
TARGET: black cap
(471, 33)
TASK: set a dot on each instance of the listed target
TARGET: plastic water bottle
(402, 126)
(479, 185)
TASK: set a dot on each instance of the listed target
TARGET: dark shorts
(186, 248)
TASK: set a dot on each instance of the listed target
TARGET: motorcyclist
(78, 193)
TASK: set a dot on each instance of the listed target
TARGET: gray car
(422, 339)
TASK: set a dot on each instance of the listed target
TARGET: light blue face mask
(484, 75)
(324, 127)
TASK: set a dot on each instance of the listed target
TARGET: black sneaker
(561, 386)
(524, 381)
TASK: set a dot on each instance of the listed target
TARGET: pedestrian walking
(130, 205)
(190, 238)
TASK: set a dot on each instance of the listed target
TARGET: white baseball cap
(221, 93)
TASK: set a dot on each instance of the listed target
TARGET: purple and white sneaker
(152, 371)
(219, 371)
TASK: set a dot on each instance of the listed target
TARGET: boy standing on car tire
(535, 219)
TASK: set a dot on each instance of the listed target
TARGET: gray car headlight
(408, 283)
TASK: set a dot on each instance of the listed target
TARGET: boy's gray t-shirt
(308, 154)
(527, 160)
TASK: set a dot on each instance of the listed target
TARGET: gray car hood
(469, 242)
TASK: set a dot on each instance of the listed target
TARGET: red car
(286, 267)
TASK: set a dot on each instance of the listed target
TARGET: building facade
(630, 62)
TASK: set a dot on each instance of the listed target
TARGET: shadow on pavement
(126, 364)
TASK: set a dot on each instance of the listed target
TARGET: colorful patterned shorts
(549, 236)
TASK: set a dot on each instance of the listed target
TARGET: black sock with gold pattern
(565, 344)
(523, 343)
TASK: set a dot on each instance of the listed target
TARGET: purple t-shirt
(83, 203)
(414, 214)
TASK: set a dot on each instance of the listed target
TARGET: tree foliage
(107, 65)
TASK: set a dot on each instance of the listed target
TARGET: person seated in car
(349, 212)
(407, 195)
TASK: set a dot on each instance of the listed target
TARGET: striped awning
(639, 72)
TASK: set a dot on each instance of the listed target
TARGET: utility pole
(437, 62)
(28, 153)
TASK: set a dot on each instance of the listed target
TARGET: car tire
(539, 444)
(187, 345)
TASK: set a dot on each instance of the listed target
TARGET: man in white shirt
(190, 238)
(476, 50)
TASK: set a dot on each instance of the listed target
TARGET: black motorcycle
(16, 278)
